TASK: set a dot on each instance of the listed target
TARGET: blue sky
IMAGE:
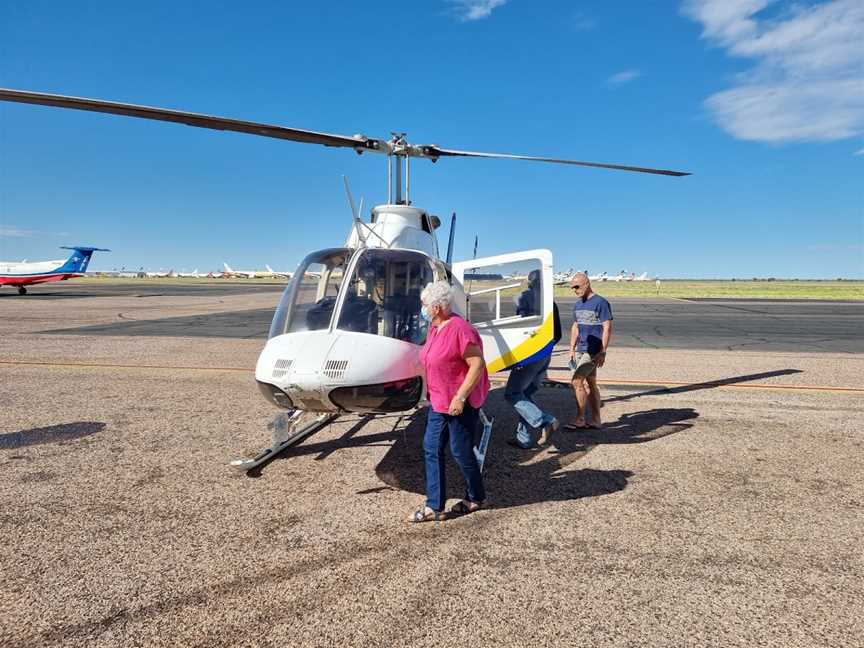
(763, 101)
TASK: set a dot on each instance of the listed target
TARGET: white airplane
(643, 277)
(564, 277)
(231, 272)
(280, 274)
(191, 275)
(122, 273)
(20, 274)
(160, 274)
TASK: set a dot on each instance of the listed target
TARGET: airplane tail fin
(79, 259)
(227, 267)
(269, 269)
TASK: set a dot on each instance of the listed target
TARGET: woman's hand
(456, 406)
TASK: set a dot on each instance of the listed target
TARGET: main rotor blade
(190, 119)
(434, 152)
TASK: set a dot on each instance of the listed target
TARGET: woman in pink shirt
(457, 384)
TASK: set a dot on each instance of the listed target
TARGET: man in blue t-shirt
(589, 340)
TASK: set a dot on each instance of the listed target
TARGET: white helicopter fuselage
(333, 369)
(347, 334)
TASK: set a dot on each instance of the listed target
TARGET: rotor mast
(398, 170)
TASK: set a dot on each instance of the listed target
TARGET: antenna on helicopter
(450, 244)
(358, 224)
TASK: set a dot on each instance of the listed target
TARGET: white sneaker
(548, 430)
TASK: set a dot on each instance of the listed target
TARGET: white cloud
(859, 152)
(14, 232)
(467, 10)
(807, 83)
(623, 77)
(581, 22)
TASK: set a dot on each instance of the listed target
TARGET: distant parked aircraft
(158, 275)
(230, 272)
(282, 274)
(19, 275)
(563, 277)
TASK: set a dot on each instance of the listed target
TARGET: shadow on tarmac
(513, 477)
(709, 384)
(50, 434)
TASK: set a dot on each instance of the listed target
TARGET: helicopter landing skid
(288, 431)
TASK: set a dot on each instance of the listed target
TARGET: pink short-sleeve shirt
(443, 356)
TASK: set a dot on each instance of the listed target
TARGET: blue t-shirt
(590, 315)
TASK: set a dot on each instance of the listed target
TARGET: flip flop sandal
(573, 426)
(422, 515)
(463, 508)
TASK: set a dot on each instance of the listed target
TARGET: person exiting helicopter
(457, 383)
(525, 377)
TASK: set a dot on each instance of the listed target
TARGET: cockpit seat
(318, 316)
(359, 315)
(402, 317)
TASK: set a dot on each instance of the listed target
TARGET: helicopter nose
(340, 370)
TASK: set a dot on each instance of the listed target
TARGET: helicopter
(347, 332)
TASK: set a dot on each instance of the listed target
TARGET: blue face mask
(425, 314)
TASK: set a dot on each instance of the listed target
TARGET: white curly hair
(439, 293)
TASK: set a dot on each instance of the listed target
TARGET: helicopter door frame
(513, 339)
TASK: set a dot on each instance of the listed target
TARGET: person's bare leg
(581, 401)
(594, 398)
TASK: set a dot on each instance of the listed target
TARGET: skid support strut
(288, 430)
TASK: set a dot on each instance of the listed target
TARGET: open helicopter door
(508, 299)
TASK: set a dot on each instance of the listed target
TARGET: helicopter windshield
(383, 296)
(308, 301)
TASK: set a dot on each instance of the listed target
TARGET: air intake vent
(335, 369)
(282, 368)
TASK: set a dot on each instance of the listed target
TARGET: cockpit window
(308, 301)
(383, 296)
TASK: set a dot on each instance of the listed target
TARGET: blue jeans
(459, 431)
(523, 382)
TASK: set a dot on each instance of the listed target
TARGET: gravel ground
(701, 516)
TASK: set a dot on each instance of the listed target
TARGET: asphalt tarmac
(661, 323)
(721, 505)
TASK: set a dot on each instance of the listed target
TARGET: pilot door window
(509, 291)
(383, 297)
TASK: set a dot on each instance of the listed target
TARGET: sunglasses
(577, 286)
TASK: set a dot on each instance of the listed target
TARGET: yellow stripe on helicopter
(538, 340)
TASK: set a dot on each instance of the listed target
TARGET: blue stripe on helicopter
(545, 352)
